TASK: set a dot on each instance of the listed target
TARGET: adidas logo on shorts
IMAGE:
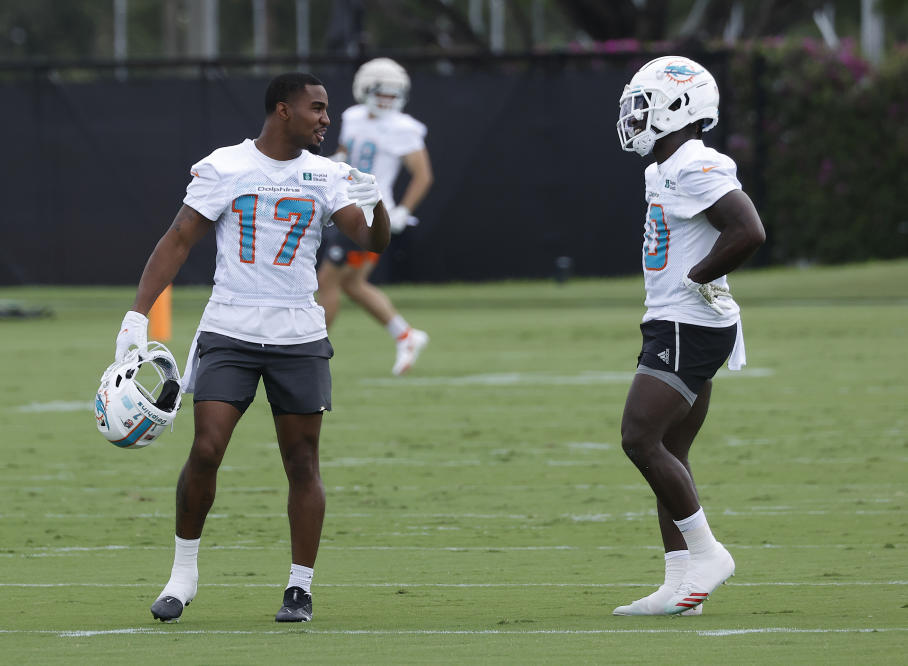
(665, 356)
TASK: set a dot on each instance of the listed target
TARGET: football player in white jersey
(699, 226)
(269, 200)
(377, 137)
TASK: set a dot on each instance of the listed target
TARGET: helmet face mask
(382, 85)
(664, 96)
(129, 415)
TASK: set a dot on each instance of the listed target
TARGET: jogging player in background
(377, 137)
(269, 200)
(699, 226)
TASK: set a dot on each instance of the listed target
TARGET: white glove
(133, 333)
(400, 217)
(716, 297)
(364, 192)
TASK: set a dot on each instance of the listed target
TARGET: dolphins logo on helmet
(681, 72)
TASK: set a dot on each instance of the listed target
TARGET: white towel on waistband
(738, 358)
(192, 366)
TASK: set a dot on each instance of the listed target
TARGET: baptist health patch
(316, 176)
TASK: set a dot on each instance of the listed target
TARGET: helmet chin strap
(643, 143)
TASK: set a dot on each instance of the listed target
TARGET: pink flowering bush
(821, 140)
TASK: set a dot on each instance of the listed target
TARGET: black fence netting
(527, 167)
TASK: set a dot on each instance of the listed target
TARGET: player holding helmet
(699, 226)
(377, 137)
(268, 200)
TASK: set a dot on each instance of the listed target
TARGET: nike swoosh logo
(708, 169)
(195, 173)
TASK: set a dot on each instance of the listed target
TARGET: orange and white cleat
(409, 347)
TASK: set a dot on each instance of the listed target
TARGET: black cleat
(167, 609)
(297, 606)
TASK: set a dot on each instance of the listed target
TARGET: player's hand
(363, 190)
(133, 333)
(716, 297)
(400, 217)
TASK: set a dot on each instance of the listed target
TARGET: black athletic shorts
(684, 356)
(297, 377)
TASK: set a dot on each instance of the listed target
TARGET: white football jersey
(376, 145)
(269, 216)
(677, 234)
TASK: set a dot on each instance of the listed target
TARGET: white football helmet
(378, 80)
(127, 413)
(665, 95)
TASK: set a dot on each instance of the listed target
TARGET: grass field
(479, 509)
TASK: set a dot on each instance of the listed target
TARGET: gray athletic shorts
(297, 377)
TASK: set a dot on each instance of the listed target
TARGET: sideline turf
(479, 509)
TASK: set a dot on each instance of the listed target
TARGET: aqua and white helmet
(665, 95)
(382, 85)
(128, 414)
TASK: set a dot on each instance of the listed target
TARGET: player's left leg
(709, 564)
(297, 436)
(297, 380)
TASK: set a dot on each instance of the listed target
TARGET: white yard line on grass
(712, 633)
(49, 551)
(851, 583)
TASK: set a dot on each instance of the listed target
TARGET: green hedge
(821, 138)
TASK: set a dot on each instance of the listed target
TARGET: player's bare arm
(419, 167)
(352, 222)
(741, 233)
(169, 255)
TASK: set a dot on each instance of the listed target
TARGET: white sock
(300, 576)
(696, 533)
(397, 327)
(675, 566)
(184, 576)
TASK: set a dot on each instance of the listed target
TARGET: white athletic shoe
(704, 574)
(408, 350)
(654, 604)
